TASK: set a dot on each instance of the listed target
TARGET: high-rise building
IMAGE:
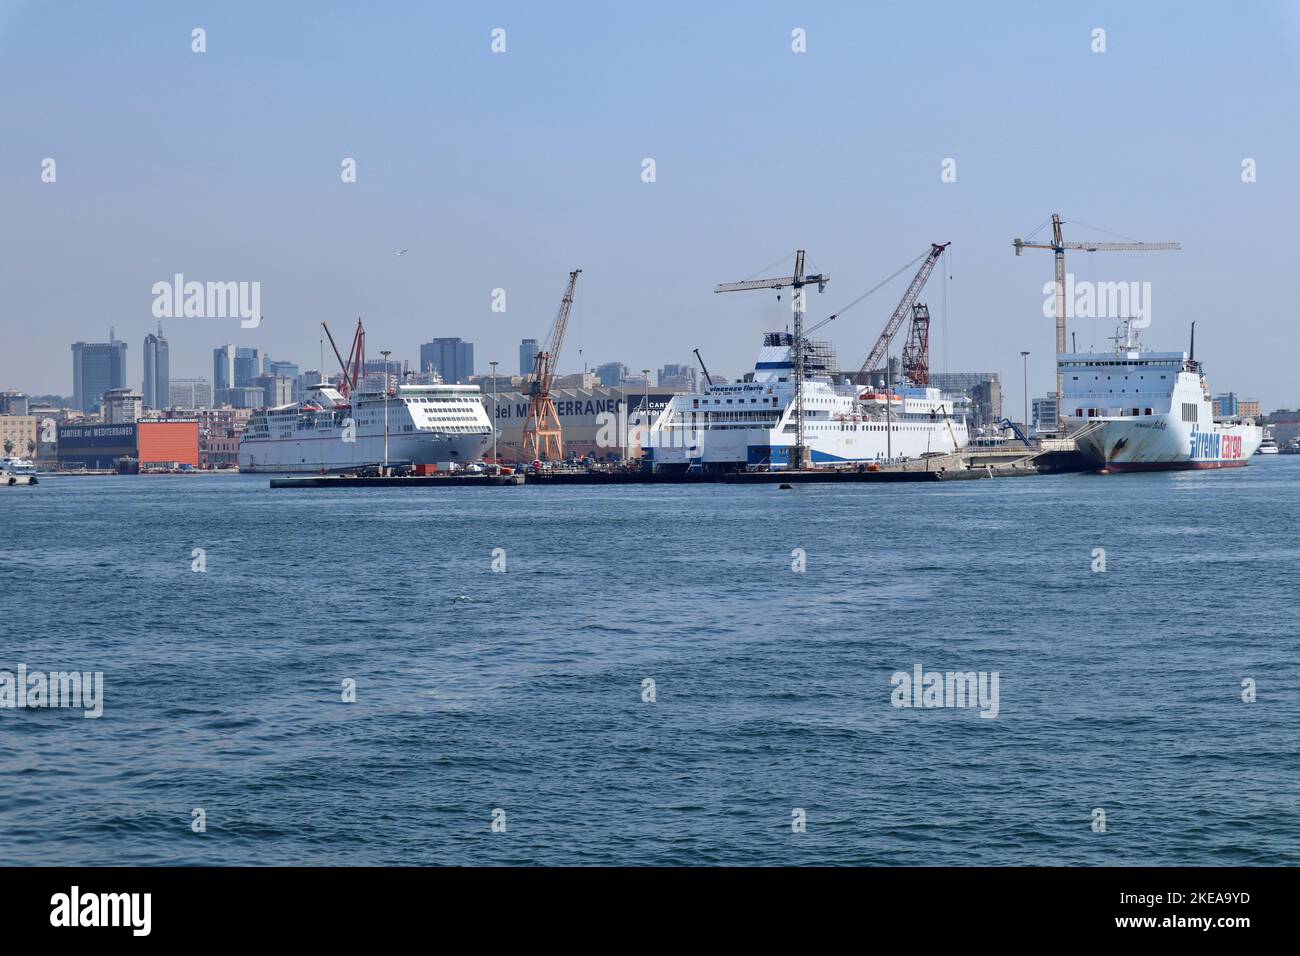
(1248, 407)
(13, 403)
(97, 367)
(611, 374)
(290, 371)
(303, 383)
(451, 358)
(223, 374)
(277, 390)
(678, 376)
(190, 393)
(984, 389)
(1224, 405)
(246, 396)
(248, 366)
(121, 406)
(156, 392)
(527, 356)
(1044, 414)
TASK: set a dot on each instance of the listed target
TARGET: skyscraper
(157, 377)
(248, 366)
(451, 358)
(527, 356)
(190, 393)
(97, 367)
(223, 374)
(612, 374)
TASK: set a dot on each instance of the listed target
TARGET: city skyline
(734, 189)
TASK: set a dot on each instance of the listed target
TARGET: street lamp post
(385, 353)
(645, 404)
(494, 414)
(1025, 357)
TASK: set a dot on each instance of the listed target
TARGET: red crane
(355, 367)
(916, 353)
(904, 306)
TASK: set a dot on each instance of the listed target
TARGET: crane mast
(904, 306)
(354, 367)
(797, 283)
(543, 435)
(1058, 246)
(916, 353)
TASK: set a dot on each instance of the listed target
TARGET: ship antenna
(1192, 353)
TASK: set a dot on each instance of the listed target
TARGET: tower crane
(796, 282)
(904, 306)
(1058, 246)
(543, 433)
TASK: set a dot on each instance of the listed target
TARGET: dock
(970, 464)
(405, 481)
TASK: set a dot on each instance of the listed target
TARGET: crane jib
(904, 305)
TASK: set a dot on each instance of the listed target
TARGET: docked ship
(1138, 410)
(15, 465)
(361, 424)
(752, 424)
(427, 424)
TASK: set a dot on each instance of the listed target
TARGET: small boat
(1267, 447)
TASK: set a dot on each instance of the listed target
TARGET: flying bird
(403, 252)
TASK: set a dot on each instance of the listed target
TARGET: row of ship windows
(1094, 412)
(729, 401)
(1097, 378)
(1143, 363)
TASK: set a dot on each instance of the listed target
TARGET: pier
(970, 464)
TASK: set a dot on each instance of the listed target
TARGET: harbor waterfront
(772, 685)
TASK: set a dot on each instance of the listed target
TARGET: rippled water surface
(523, 690)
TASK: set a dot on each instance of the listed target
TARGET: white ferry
(752, 425)
(14, 465)
(427, 424)
(1136, 410)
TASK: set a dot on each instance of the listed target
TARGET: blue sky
(508, 170)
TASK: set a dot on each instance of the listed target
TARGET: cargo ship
(751, 424)
(1138, 410)
(329, 432)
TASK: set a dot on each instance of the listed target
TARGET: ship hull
(1166, 443)
(330, 453)
(760, 447)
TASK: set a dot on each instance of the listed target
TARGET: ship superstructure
(752, 423)
(427, 424)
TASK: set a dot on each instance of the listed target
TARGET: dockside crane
(354, 367)
(916, 352)
(543, 433)
(1058, 246)
(904, 306)
(797, 283)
